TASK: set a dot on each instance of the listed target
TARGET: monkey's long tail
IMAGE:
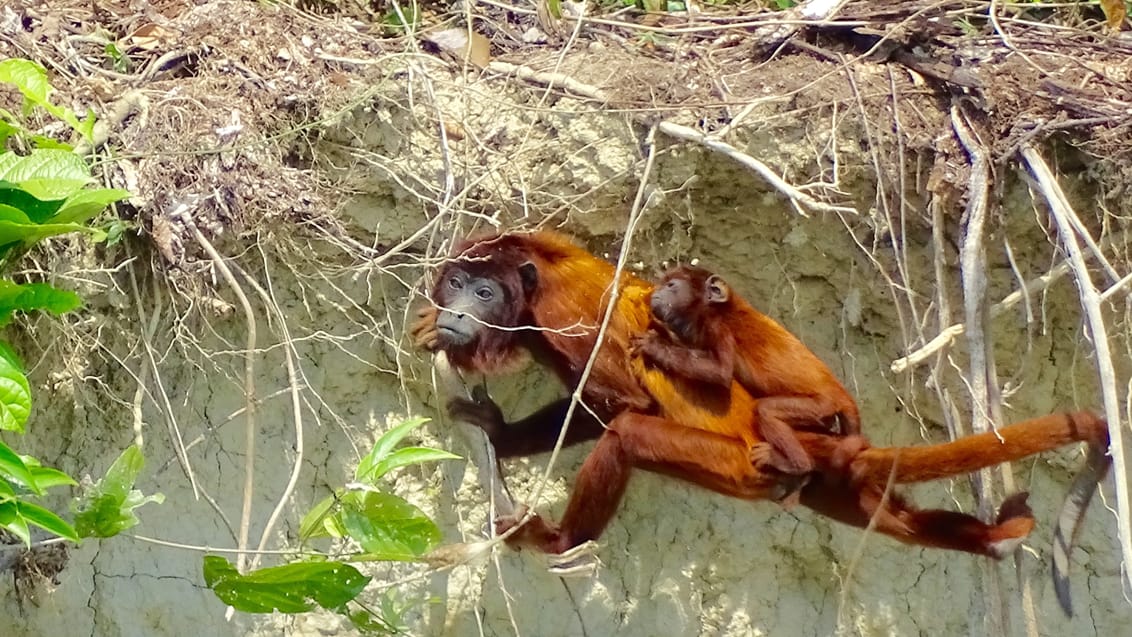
(1097, 464)
(1013, 442)
(978, 451)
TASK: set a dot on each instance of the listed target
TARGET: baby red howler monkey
(712, 336)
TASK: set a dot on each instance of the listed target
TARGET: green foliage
(384, 526)
(291, 588)
(383, 459)
(44, 192)
(107, 508)
(399, 21)
(15, 394)
(120, 60)
(32, 296)
(31, 80)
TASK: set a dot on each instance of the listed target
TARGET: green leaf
(83, 205)
(115, 229)
(11, 233)
(319, 521)
(46, 477)
(384, 445)
(388, 527)
(15, 394)
(107, 508)
(15, 524)
(46, 520)
(13, 214)
(28, 297)
(47, 174)
(32, 210)
(292, 588)
(43, 141)
(30, 78)
(406, 456)
(12, 467)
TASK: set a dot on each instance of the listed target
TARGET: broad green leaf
(13, 468)
(107, 508)
(384, 445)
(405, 456)
(11, 233)
(7, 491)
(15, 396)
(28, 297)
(291, 588)
(121, 475)
(387, 527)
(46, 477)
(46, 520)
(30, 78)
(47, 174)
(13, 197)
(83, 205)
(15, 524)
(13, 214)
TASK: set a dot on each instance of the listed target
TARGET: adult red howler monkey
(708, 335)
(538, 292)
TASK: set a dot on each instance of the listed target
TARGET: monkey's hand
(643, 344)
(423, 329)
(841, 466)
(480, 411)
(762, 456)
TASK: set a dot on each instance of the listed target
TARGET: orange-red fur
(708, 446)
(708, 337)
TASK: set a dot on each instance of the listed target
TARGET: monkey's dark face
(471, 304)
(671, 300)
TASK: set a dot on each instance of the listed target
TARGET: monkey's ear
(528, 274)
(717, 290)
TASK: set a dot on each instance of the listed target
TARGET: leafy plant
(31, 80)
(107, 507)
(43, 193)
(382, 525)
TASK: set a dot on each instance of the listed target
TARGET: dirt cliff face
(837, 184)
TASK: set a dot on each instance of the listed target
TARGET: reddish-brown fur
(689, 441)
(710, 337)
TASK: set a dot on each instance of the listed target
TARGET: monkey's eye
(455, 283)
(670, 285)
(485, 294)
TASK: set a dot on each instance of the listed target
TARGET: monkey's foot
(577, 561)
(1014, 522)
